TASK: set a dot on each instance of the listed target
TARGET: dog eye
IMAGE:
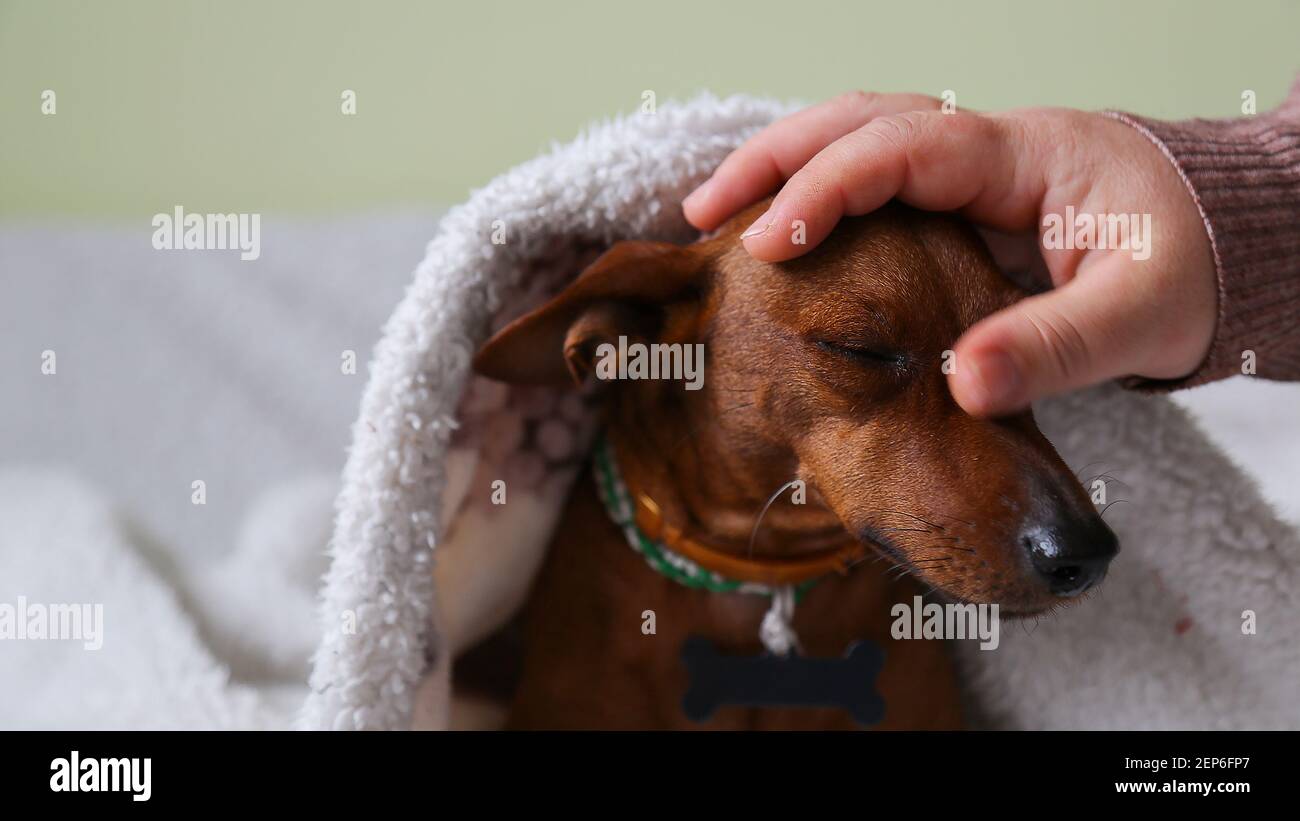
(864, 355)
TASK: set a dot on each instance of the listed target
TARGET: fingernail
(698, 194)
(760, 226)
(999, 380)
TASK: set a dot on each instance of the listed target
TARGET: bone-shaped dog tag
(783, 681)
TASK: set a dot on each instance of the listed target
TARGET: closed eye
(867, 356)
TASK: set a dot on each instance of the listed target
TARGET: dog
(828, 372)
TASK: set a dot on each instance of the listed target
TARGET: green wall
(235, 106)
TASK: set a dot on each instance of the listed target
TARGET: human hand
(1111, 313)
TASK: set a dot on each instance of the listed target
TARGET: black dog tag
(783, 681)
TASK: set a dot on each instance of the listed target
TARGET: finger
(980, 165)
(767, 159)
(1092, 329)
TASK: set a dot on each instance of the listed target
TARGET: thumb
(1087, 331)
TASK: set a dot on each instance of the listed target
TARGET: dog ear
(623, 292)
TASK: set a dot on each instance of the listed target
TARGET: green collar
(618, 504)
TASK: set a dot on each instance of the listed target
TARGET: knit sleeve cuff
(1244, 175)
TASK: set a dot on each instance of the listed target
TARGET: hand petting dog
(1110, 315)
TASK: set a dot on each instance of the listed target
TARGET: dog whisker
(753, 535)
(910, 516)
(866, 559)
(954, 547)
(899, 572)
(954, 518)
(1110, 480)
(1085, 467)
(1112, 504)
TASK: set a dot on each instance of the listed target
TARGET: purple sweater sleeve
(1244, 175)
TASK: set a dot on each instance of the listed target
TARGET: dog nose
(1071, 556)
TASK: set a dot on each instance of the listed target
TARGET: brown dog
(829, 369)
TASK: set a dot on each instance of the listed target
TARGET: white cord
(776, 631)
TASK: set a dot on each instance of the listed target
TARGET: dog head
(830, 368)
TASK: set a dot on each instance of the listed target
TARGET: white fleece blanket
(136, 659)
(1162, 646)
(173, 367)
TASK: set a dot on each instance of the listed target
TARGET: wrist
(1243, 176)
